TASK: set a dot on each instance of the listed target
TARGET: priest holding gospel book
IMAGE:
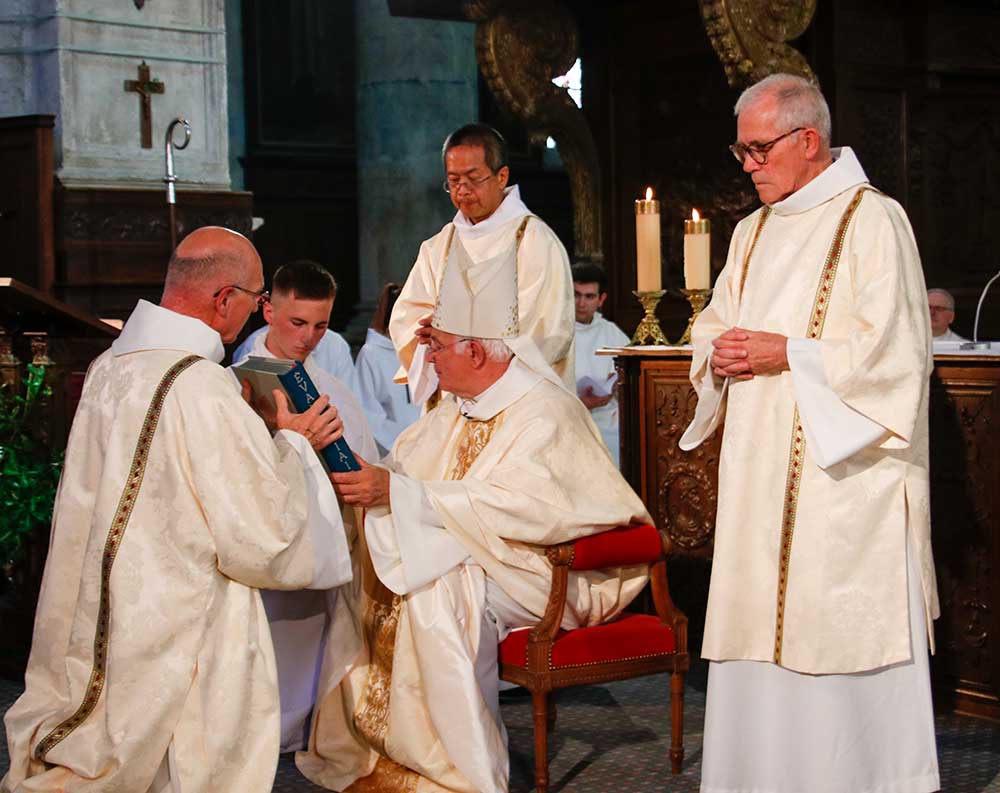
(151, 666)
(452, 556)
(302, 295)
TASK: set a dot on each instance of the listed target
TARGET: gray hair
(193, 271)
(495, 349)
(799, 103)
(945, 294)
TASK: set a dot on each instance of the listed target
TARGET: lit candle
(697, 253)
(647, 242)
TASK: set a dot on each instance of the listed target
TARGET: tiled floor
(614, 737)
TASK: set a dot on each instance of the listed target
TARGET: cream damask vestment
(823, 586)
(478, 489)
(544, 287)
(151, 664)
(300, 620)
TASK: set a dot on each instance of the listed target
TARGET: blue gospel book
(266, 374)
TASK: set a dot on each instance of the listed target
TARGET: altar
(679, 489)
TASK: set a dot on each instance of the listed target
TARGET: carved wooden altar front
(680, 490)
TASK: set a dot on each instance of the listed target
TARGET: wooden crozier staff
(170, 177)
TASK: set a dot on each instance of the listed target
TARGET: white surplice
(848, 709)
(387, 404)
(332, 354)
(591, 337)
(301, 620)
(544, 286)
(190, 700)
(478, 488)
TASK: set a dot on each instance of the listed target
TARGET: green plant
(29, 469)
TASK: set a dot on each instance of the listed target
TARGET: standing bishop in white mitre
(816, 349)
(457, 520)
(151, 664)
(491, 228)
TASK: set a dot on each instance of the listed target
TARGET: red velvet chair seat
(630, 637)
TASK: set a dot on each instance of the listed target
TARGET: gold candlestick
(698, 298)
(649, 331)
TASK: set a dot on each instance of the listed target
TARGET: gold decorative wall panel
(750, 37)
(521, 47)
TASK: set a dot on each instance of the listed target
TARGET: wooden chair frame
(541, 680)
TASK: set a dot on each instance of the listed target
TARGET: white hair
(945, 294)
(799, 103)
(495, 349)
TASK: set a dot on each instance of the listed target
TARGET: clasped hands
(743, 354)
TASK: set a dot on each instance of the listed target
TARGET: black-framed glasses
(262, 297)
(435, 347)
(758, 153)
(467, 182)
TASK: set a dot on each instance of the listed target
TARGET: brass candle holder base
(698, 298)
(649, 331)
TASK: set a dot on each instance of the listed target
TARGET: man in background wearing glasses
(816, 349)
(492, 224)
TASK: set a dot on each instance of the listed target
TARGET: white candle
(697, 253)
(647, 243)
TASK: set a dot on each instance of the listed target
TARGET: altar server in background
(386, 403)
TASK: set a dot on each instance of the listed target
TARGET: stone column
(417, 82)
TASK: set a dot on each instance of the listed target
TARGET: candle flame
(649, 193)
(694, 215)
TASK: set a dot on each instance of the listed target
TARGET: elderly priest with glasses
(507, 463)
(492, 224)
(816, 349)
(151, 666)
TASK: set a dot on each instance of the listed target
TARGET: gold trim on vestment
(475, 436)
(381, 621)
(102, 634)
(388, 776)
(796, 454)
(764, 215)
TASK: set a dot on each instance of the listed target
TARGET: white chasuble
(301, 620)
(590, 338)
(151, 656)
(822, 547)
(454, 563)
(544, 288)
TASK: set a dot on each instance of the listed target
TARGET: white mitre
(489, 310)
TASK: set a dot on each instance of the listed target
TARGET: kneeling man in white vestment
(297, 315)
(457, 520)
(816, 349)
(151, 665)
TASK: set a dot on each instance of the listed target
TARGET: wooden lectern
(680, 490)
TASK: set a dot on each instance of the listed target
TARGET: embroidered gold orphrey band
(381, 620)
(764, 215)
(796, 453)
(113, 542)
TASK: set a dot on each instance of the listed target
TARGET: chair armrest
(621, 547)
(668, 613)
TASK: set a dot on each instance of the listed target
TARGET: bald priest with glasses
(816, 349)
(491, 225)
(152, 669)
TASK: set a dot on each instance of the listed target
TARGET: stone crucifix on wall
(145, 87)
